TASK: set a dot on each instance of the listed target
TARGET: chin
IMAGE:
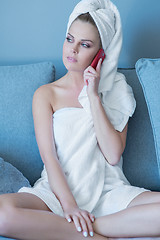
(73, 68)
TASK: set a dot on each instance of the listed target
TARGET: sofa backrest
(140, 162)
(17, 138)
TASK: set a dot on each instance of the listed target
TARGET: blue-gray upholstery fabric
(17, 138)
(11, 179)
(140, 162)
(148, 72)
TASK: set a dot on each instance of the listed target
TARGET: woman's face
(80, 46)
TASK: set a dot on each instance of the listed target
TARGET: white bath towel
(113, 87)
(96, 185)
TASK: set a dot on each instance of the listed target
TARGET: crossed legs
(25, 216)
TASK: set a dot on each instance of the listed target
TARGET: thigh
(147, 197)
(23, 200)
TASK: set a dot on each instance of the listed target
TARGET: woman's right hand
(82, 220)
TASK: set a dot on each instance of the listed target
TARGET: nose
(74, 50)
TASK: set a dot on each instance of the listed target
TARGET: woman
(81, 126)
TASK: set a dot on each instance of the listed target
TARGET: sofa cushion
(148, 72)
(17, 138)
(11, 178)
(139, 158)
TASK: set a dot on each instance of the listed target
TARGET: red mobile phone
(100, 54)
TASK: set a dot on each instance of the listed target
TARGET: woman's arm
(111, 142)
(43, 123)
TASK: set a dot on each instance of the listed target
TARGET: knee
(6, 201)
(7, 217)
(3, 221)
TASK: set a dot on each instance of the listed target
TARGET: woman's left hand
(92, 78)
(82, 220)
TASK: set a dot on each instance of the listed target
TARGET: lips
(71, 59)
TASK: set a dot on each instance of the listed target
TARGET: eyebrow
(85, 40)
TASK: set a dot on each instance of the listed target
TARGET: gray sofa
(18, 145)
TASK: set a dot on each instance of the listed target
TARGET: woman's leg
(145, 198)
(22, 200)
(140, 219)
(25, 216)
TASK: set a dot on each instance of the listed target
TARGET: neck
(75, 79)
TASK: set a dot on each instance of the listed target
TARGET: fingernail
(69, 220)
(79, 229)
(91, 234)
(85, 234)
(92, 219)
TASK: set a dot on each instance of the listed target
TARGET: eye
(86, 45)
(69, 39)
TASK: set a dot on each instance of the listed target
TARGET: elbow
(113, 161)
(114, 158)
(113, 155)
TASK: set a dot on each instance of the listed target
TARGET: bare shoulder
(42, 96)
(43, 92)
(47, 95)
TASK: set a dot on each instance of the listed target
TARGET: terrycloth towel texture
(94, 183)
(113, 87)
(11, 179)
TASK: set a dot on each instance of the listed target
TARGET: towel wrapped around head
(107, 19)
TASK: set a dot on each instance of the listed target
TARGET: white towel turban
(107, 19)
